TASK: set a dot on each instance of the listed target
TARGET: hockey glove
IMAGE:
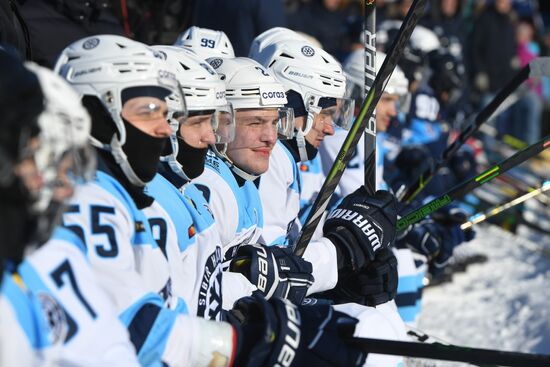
(359, 227)
(275, 271)
(436, 241)
(372, 286)
(277, 332)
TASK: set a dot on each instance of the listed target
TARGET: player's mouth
(263, 152)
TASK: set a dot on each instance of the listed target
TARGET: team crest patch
(308, 51)
(216, 63)
(90, 43)
(55, 317)
(210, 296)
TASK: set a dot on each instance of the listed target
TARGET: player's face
(197, 131)
(255, 137)
(386, 109)
(323, 125)
(148, 114)
(27, 170)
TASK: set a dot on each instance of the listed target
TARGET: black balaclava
(191, 159)
(103, 129)
(143, 151)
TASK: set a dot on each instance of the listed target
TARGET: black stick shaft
(369, 32)
(359, 125)
(412, 191)
(452, 353)
(467, 186)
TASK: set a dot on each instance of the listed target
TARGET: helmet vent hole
(287, 56)
(185, 67)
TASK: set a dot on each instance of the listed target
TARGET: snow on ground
(501, 304)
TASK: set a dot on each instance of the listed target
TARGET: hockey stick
(451, 353)
(350, 143)
(480, 217)
(369, 32)
(536, 68)
(467, 186)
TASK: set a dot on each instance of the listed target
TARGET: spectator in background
(241, 20)
(13, 30)
(53, 25)
(526, 113)
(494, 47)
(325, 20)
(494, 53)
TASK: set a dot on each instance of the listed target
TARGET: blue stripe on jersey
(171, 200)
(149, 325)
(28, 312)
(111, 185)
(202, 216)
(64, 234)
(296, 185)
(253, 209)
(157, 337)
(247, 197)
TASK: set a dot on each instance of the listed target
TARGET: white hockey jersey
(236, 207)
(82, 319)
(184, 228)
(238, 213)
(133, 271)
(280, 189)
(354, 175)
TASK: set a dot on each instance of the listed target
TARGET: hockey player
(312, 78)
(233, 171)
(396, 90)
(292, 62)
(130, 91)
(51, 301)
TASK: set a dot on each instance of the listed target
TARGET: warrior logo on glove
(364, 224)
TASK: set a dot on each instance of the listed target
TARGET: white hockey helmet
(312, 73)
(64, 132)
(206, 42)
(250, 86)
(204, 92)
(354, 67)
(108, 66)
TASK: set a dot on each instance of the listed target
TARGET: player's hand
(360, 226)
(372, 286)
(277, 332)
(275, 271)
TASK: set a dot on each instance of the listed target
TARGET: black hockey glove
(373, 285)
(275, 271)
(279, 333)
(360, 226)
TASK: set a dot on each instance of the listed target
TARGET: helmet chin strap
(238, 171)
(172, 160)
(122, 160)
(312, 111)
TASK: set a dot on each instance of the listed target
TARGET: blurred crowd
(490, 39)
